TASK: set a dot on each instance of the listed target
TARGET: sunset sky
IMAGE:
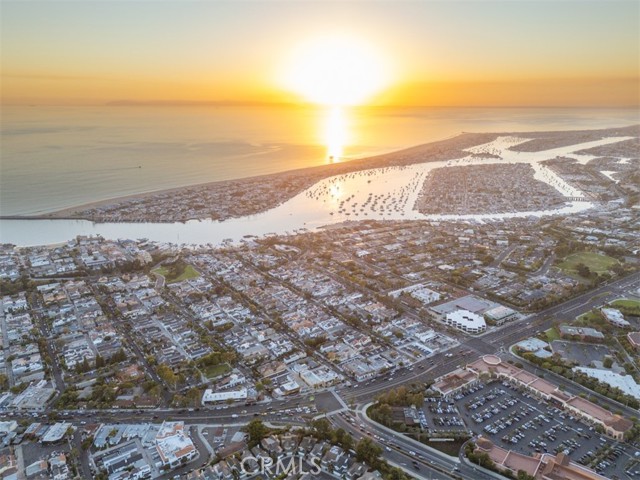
(455, 53)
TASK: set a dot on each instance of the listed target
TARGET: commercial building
(174, 445)
(500, 315)
(614, 425)
(209, 396)
(625, 383)
(466, 321)
(615, 317)
(451, 383)
(583, 333)
(540, 467)
(55, 433)
(470, 303)
(34, 397)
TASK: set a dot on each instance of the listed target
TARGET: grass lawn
(591, 319)
(597, 263)
(626, 303)
(552, 334)
(187, 273)
(450, 448)
(213, 371)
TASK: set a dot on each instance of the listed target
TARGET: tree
(321, 429)
(522, 475)
(167, 375)
(607, 362)
(397, 474)
(368, 452)
(99, 362)
(256, 431)
(583, 270)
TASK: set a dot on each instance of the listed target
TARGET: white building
(501, 314)
(210, 396)
(419, 292)
(320, 377)
(626, 383)
(56, 432)
(615, 317)
(466, 321)
(173, 445)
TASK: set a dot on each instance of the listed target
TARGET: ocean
(58, 157)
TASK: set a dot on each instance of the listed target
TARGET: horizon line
(258, 103)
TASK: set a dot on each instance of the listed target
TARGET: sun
(336, 70)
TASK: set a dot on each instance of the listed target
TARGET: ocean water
(58, 157)
(335, 199)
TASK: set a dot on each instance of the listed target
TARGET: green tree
(367, 451)
(321, 429)
(522, 475)
(256, 431)
(167, 375)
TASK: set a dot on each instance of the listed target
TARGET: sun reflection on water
(336, 191)
(335, 133)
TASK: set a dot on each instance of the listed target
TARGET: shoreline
(443, 149)
(324, 170)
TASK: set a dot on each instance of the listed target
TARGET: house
(317, 450)
(272, 446)
(375, 475)
(289, 443)
(330, 459)
(634, 339)
(356, 471)
(306, 445)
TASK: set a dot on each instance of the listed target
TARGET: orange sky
(476, 53)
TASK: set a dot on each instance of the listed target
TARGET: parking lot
(439, 416)
(581, 353)
(518, 421)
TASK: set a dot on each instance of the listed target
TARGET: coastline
(297, 180)
(315, 173)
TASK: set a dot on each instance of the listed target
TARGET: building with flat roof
(55, 433)
(615, 317)
(614, 425)
(625, 383)
(583, 333)
(451, 383)
(470, 303)
(500, 315)
(174, 445)
(320, 377)
(540, 467)
(209, 396)
(634, 339)
(34, 397)
(466, 321)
